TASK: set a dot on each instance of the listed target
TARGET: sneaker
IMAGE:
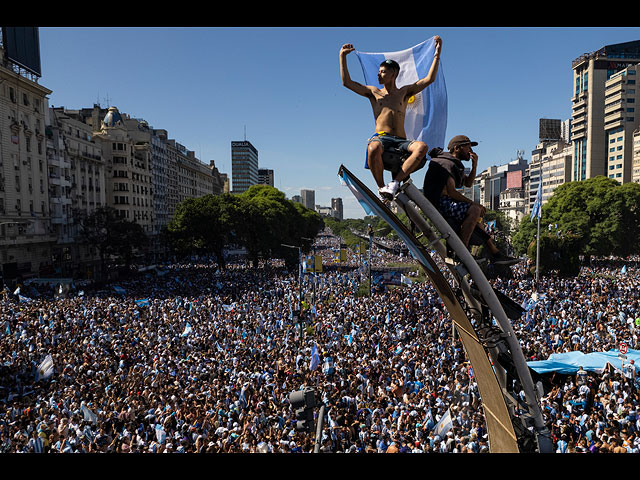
(502, 259)
(389, 191)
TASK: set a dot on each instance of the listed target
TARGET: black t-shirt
(442, 166)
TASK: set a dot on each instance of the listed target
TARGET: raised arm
(344, 73)
(431, 76)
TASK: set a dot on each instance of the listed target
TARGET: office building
(265, 176)
(550, 164)
(622, 98)
(491, 182)
(308, 198)
(635, 175)
(601, 119)
(336, 206)
(244, 166)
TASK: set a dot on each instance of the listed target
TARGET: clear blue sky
(206, 85)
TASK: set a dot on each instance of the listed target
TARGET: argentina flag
(536, 210)
(426, 116)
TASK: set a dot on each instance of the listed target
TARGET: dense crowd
(193, 359)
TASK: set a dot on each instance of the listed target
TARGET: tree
(271, 220)
(206, 223)
(111, 234)
(260, 219)
(601, 215)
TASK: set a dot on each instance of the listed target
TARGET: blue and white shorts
(449, 208)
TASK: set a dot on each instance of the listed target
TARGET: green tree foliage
(600, 215)
(206, 224)
(260, 219)
(112, 235)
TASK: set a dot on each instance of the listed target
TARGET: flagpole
(538, 214)
(538, 253)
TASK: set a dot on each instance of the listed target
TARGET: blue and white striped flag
(536, 211)
(315, 358)
(187, 330)
(444, 424)
(426, 116)
(45, 369)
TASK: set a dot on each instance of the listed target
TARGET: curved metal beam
(503, 438)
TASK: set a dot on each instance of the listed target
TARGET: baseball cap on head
(460, 140)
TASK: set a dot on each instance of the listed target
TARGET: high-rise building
(265, 176)
(244, 166)
(603, 116)
(308, 198)
(635, 175)
(551, 165)
(336, 205)
(622, 97)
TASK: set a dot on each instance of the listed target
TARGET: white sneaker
(389, 191)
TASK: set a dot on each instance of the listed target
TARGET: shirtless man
(389, 108)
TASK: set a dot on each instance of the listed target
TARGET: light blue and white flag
(426, 116)
(444, 425)
(186, 331)
(356, 193)
(315, 358)
(536, 211)
(161, 435)
(87, 414)
(45, 369)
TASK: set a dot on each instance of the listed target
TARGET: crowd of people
(191, 359)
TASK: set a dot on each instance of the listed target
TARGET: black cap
(460, 140)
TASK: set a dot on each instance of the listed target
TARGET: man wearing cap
(389, 108)
(446, 173)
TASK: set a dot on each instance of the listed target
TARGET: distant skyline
(206, 85)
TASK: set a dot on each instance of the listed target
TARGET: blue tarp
(568, 363)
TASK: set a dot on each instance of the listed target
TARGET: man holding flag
(390, 104)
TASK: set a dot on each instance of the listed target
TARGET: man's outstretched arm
(344, 73)
(431, 76)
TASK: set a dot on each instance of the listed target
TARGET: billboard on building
(22, 47)
(514, 179)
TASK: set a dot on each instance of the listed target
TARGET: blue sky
(206, 85)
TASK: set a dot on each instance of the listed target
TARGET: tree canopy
(260, 219)
(111, 234)
(601, 216)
